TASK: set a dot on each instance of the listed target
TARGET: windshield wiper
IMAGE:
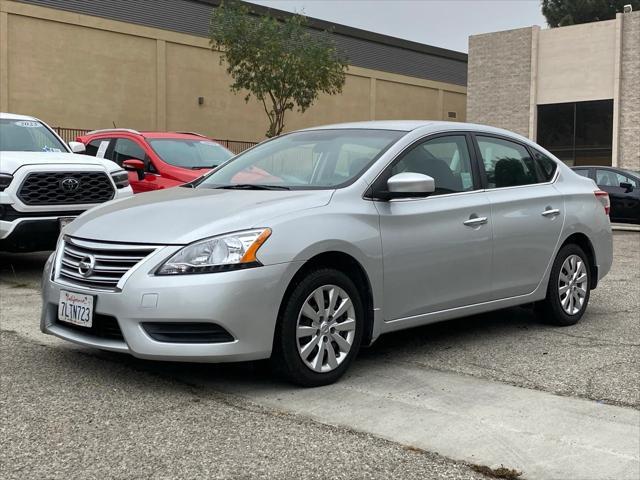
(203, 167)
(253, 186)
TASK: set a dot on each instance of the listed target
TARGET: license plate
(64, 221)
(76, 308)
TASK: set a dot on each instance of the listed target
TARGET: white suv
(44, 184)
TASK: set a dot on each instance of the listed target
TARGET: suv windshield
(311, 159)
(187, 153)
(27, 136)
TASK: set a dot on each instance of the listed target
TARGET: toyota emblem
(69, 184)
(86, 265)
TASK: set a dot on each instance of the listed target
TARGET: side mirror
(409, 185)
(627, 186)
(134, 165)
(77, 147)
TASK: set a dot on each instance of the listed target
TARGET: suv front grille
(95, 265)
(64, 188)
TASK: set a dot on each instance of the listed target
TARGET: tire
(307, 360)
(558, 308)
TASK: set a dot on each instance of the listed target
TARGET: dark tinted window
(577, 133)
(126, 149)
(98, 147)
(446, 159)
(546, 166)
(506, 164)
(609, 178)
(582, 171)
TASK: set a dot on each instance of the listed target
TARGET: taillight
(604, 200)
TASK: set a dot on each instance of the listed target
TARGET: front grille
(187, 332)
(103, 326)
(65, 188)
(97, 265)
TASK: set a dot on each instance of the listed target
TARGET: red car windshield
(188, 153)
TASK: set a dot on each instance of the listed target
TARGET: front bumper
(244, 302)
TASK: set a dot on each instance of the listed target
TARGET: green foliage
(280, 62)
(560, 13)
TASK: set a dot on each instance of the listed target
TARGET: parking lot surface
(70, 411)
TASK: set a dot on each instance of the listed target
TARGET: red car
(156, 160)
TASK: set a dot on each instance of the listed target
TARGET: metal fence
(70, 134)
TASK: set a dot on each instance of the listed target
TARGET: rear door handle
(551, 212)
(474, 221)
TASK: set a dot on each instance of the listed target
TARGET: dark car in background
(156, 160)
(623, 187)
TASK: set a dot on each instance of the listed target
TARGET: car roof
(14, 116)
(148, 134)
(426, 125)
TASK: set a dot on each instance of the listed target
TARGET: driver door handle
(475, 221)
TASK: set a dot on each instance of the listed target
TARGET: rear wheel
(569, 288)
(320, 330)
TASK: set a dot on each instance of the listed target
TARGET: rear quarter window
(547, 166)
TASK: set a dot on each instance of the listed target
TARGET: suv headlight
(215, 254)
(5, 180)
(120, 178)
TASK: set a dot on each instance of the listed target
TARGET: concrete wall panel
(500, 79)
(629, 126)
(576, 63)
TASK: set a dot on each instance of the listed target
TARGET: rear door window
(582, 171)
(98, 147)
(506, 163)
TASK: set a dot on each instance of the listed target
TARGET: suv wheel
(320, 330)
(569, 288)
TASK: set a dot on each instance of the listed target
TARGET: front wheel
(569, 288)
(320, 329)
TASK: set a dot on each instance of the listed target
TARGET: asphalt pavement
(73, 412)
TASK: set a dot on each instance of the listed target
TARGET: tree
(560, 13)
(280, 62)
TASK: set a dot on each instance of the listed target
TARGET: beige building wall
(576, 63)
(80, 71)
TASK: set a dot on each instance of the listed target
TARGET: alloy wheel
(572, 284)
(325, 328)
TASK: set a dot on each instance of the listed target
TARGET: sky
(441, 23)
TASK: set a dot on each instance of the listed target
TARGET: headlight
(5, 180)
(120, 178)
(226, 252)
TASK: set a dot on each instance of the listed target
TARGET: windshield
(312, 159)
(190, 153)
(27, 136)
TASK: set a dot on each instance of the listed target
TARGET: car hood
(12, 161)
(178, 216)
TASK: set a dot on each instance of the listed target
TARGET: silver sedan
(312, 244)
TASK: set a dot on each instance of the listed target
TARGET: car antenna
(114, 124)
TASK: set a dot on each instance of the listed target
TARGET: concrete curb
(625, 227)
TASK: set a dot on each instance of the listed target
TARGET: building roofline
(354, 32)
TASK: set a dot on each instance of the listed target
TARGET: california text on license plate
(75, 308)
